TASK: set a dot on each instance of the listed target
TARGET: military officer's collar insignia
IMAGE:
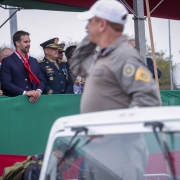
(41, 61)
(47, 62)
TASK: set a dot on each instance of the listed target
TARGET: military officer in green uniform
(56, 74)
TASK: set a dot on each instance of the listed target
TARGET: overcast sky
(44, 25)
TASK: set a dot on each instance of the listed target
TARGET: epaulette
(41, 61)
(63, 61)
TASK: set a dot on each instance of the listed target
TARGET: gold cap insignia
(142, 75)
(56, 41)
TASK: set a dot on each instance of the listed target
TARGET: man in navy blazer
(20, 73)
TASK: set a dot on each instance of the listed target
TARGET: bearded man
(20, 73)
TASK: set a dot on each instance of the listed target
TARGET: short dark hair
(17, 36)
(64, 147)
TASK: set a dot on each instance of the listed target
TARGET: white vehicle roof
(113, 122)
(169, 116)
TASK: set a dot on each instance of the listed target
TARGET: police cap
(69, 51)
(52, 43)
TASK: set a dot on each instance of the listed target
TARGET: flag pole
(152, 42)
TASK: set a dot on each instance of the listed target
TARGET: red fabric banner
(167, 9)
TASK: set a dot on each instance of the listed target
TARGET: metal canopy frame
(139, 18)
(139, 25)
(6, 7)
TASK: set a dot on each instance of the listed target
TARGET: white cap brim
(84, 16)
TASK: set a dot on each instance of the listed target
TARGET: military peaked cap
(69, 51)
(61, 47)
(52, 43)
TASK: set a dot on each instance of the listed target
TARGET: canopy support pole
(170, 55)
(18, 9)
(140, 27)
(152, 42)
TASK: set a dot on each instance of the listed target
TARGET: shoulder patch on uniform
(41, 61)
(142, 75)
(128, 70)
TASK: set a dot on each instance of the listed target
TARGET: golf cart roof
(129, 120)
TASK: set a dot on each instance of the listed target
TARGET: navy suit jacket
(14, 76)
(151, 67)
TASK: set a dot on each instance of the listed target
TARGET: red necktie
(31, 75)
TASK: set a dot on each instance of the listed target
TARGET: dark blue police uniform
(58, 81)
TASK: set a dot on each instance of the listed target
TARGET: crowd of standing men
(21, 74)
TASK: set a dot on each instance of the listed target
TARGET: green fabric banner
(24, 127)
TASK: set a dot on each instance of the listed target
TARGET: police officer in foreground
(56, 74)
(118, 76)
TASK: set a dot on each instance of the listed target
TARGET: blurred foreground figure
(116, 76)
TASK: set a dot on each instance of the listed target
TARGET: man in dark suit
(55, 72)
(20, 73)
